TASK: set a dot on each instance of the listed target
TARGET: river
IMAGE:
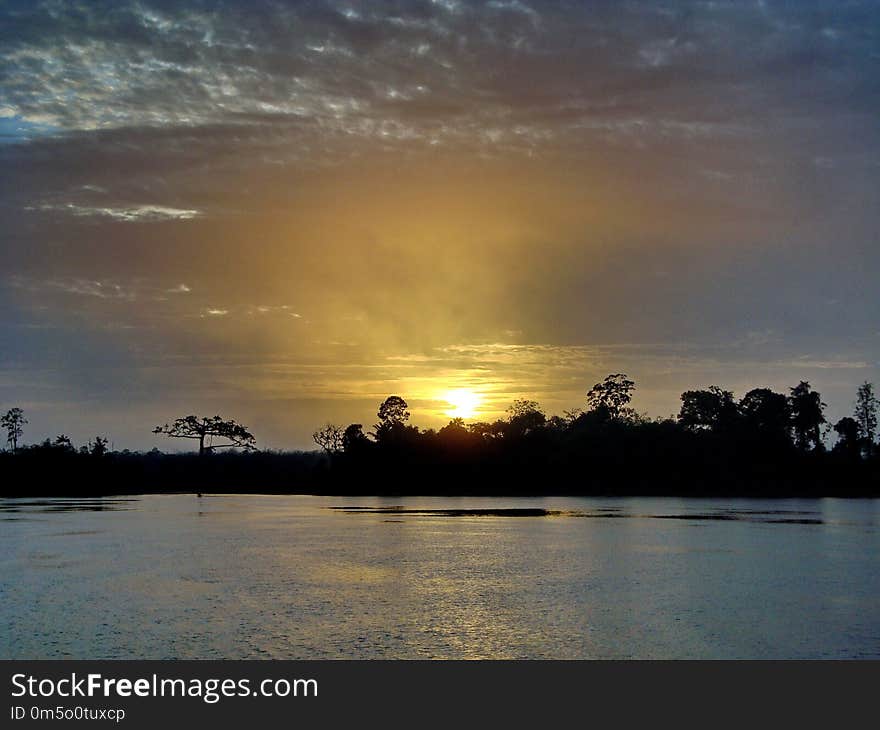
(297, 577)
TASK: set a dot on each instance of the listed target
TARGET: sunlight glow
(465, 403)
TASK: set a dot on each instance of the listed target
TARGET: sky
(282, 212)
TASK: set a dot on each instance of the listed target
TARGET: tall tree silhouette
(865, 415)
(766, 412)
(713, 408)
(393, 410)
(206, 429)
(393, 414)
(13, 421)
(807, 416)
(610, 398)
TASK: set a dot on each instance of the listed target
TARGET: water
(287, 577)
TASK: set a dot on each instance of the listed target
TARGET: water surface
(298, 577)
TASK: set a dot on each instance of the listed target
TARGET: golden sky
(284, 214)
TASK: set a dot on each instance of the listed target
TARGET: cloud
(106, 289)
(76, 286)
(414, 71)
(99, 289)
(131, 214)
(278, 309)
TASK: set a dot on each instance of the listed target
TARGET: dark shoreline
(619, 470)
(697, 496)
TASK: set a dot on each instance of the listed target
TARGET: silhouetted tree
(13, 421)
(354, 438)
(393, 414)
(865, 415)
(807, 416)
(456, 435)
(558, 424)
(393, 410)
(455, 425)
(610, 398)
(571, 415)
(848, 442)
(713, 408)
(98, 447)
(205, 430)
(486, 431)
(63, 442)
(524, 416)
(330, 438)
(766, 411)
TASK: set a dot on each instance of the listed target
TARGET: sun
(464, 403)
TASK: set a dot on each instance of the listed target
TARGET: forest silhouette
(764, 444)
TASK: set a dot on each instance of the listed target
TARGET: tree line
(793, 421)
(764, 443)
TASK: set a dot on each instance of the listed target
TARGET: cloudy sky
(282, 212)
